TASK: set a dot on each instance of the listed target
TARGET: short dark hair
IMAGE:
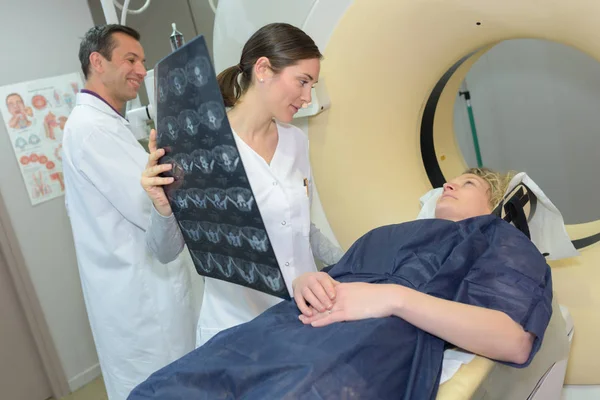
(99, 39)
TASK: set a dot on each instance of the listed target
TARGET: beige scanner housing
(381, 64)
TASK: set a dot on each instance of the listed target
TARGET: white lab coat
(284, 203)
(140, 311)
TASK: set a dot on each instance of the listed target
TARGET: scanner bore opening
(428, 155)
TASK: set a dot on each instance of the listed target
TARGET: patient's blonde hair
(498, 182)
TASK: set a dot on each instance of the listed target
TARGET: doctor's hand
(356, 301)
(152, 183)
(316, 288)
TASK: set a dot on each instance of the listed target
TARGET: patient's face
(464, 197)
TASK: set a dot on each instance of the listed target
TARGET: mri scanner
(391, 72)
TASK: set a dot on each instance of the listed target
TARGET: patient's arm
(489, 333)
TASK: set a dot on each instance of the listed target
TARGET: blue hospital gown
(481, 261)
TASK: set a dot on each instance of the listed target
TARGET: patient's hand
(355, 301)
(316, 288)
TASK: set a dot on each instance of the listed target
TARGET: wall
(237, 20)
(536, 107)
(43, 44)
(204, 19)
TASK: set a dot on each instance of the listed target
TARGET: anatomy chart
(211, 197)
(35, 114)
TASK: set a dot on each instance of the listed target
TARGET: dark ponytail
(228, 83)
(283, 44)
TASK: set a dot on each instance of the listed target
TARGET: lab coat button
(287, 264)
(274, 183)
(283, 222)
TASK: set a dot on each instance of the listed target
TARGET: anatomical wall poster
(35, 114)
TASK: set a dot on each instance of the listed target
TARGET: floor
(581, 392)
(92, 391)
(95, 391)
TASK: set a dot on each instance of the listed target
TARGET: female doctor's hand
(152, 183)
(356, 301)
(316, 288)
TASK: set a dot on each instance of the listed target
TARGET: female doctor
(278, 67)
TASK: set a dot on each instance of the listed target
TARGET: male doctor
(140, 311)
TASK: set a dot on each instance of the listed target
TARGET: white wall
(41, 39)
(204, 19)
(536, 106)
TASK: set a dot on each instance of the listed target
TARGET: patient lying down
(379, 319)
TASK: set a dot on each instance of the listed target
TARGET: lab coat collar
(94, 100)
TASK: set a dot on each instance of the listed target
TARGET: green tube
(467, 95)
(474, 133)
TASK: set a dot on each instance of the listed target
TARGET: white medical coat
(284, 203)
(140, 311)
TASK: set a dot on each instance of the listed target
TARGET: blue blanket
(481, 261)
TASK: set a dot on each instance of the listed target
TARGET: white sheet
(453, 359)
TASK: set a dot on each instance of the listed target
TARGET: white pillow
(428, 202)
(547, 226)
